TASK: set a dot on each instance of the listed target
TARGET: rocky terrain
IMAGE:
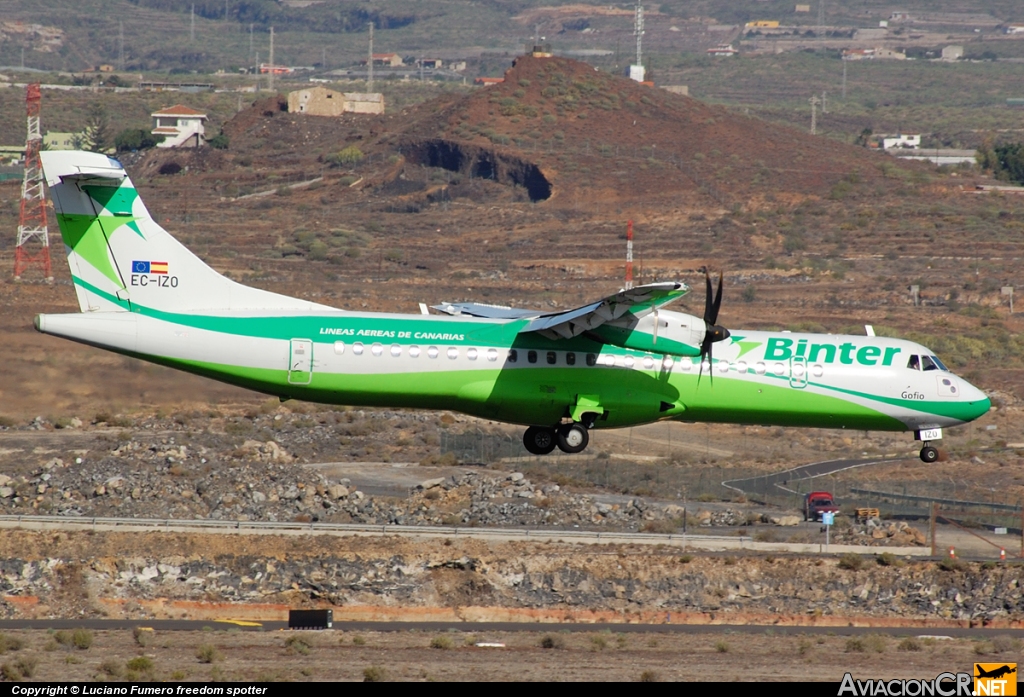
(81, 574)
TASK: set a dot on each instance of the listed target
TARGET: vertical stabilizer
(120, 256)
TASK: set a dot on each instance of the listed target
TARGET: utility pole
(821, 20)
(844, 79)
(323, 58)
(256, 71)
(814, 114)
(270, 69)
(225, 10)
(120, 45)
(250, 41)
(369, 63)
(421, 68)
(192, 25)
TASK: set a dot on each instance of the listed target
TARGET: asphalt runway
(478, 627)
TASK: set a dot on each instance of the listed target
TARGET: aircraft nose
(977, 401)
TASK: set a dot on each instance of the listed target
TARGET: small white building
(952, 53)
(905, 142)
(722, 50)
(181, 127)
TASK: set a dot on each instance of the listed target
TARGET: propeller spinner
(712, 331)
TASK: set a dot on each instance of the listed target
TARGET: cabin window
(760, 368)
(628, 361)
(396, 350)
(492, 354)
(552, 357)
(685, 362)
(741, 367)
(513, 356)
(339, 347)
(452, 352)
(668, 363)
(817, 370)
(531, 356)
(591, 359)
(648, 362)
(357, 348)
(570, 358)
(779, 369)
(377, 349)
(433, 352)
(723, 366)
(414, 351)
(914, 363)
(471, 354)
(608, 360)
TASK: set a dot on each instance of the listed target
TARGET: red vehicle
(818, 502)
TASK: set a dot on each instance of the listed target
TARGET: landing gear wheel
(929, 454)
(539, 440)
(573, 438)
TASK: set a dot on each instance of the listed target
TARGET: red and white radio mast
(33, 238)
(629, 255)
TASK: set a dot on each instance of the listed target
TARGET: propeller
(712, 331)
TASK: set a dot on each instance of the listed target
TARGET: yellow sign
(995, 679)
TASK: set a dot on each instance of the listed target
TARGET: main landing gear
(569, 438)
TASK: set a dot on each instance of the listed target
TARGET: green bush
(26, 665)
(112, 667)
(10, 643)
(549, 641)
(855, 645)
(219, 142)
(347, 156)
(721, 646)
(851, 562)
(442, 642)
(208, 653)
(140, 664)
(135, 139)
(375, 674)
(909, 644)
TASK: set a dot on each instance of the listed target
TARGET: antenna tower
(638, 31)
(270, 72)
(629, 255)
(32, 231)
(369, 63)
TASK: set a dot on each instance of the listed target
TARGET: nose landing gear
(929, 453)
(569, 438)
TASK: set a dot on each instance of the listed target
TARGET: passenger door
(300, 362)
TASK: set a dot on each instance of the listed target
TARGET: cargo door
(300, 362)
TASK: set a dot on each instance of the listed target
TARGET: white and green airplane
(621, 361)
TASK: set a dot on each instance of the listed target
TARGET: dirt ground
(408, 656)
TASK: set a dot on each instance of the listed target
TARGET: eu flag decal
(149, 267)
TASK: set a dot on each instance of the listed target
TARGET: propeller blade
(655, 339)
(718, 300)
(707, 297)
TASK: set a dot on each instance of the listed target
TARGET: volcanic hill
(560, 127)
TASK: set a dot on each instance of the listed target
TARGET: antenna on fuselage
(629, 255)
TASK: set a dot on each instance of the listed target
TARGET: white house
(181, 126)
(912, 142)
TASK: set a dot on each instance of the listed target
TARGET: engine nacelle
(677, 333)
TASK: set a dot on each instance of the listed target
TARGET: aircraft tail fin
(120, 256)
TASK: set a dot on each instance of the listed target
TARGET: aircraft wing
(633, 303)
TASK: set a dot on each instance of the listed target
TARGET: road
(479, 627)
(760, 485)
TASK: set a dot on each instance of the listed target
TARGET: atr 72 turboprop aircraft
(620, 361)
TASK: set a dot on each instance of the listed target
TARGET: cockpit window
(928, 364)
(940, 364)
(914, 363)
